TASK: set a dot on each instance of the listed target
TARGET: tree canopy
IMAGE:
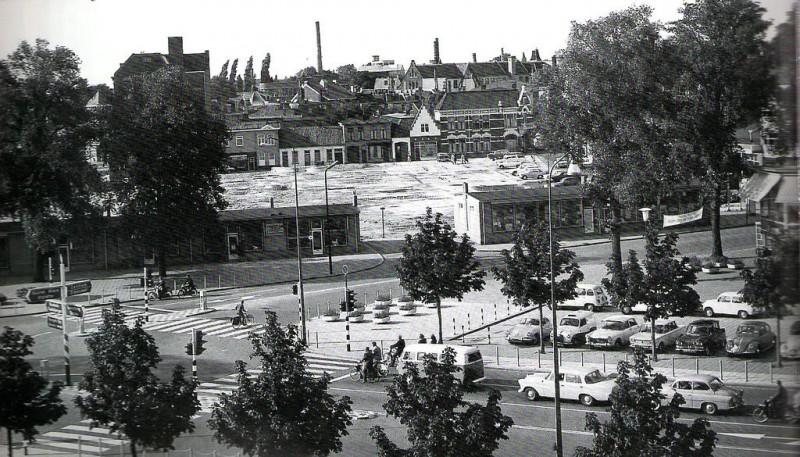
(284, 410)
(435, 265)
(45, 180)
(439, 422)
(166, 154)
(123, 392)
(28, 401)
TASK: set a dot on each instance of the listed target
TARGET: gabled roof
(480, 99)
(272, 111)
(487, 69)
(286, 212)
(300, 137)
(401, 123)
(143, 63)
(330, 91)
(444, 70)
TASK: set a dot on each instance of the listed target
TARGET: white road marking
(752, 436)
(40, 334)
(546, 429)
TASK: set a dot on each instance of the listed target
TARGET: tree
(435, 266)
(265, 77)
(45, 180)
(783, 120)
(626, 284)
(306, 72)
(284, 410)
(232, 75)
(124, 393)
(347, 73)
(440, 423)
(773, 285)
(525, 271)
(239, 84)
(27, 400)
(638, 424)
(249, 76)
(724, 82)
(166, 154)
(365, 79)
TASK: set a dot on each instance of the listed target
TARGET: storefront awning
(758, 186)
(787, 193)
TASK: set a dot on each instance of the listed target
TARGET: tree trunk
(39, 266)
(541, 328)
(10, 447)
(616, 239)
(439, 315)
(161, 261)
(653, 339)
(133, 448)
(778, 361)
(716, 235)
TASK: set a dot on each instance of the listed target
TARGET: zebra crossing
(208, 392)
(79, 439)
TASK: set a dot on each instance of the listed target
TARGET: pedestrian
(366, 364)
(377, 354)
(396, 349)
(421, 339)
(433, 338)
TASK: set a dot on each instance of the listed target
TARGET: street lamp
(300, 296)
(645, 217)
(327, 219)
(556, 386)
(383, 226)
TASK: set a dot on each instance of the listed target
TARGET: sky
(104, 33)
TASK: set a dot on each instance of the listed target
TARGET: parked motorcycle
(161, 292)
(766, 411)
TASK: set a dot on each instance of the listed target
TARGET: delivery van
(468, 359)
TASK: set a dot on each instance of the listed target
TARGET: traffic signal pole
(67, 367)
(300, 299)
(194, 353)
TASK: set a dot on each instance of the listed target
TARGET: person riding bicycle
(241, 313)
(396, 349)
(366, 364)
(377, 357)
(188, 285)
(777, 403)
(161, 287)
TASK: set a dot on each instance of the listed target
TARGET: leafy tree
(435, 266)
(306, 72)
(27, 400)
(166, 154)
(525, 272)
(783, 121)
(365, 79)
(124, 393)
(626, 285)
(249, 76)
(265, 77)
(439, 421)
(284, 410)
(638, 427)
(232, 75)
(45, 180)
(347, 73)
(773, 283)
(724, 82)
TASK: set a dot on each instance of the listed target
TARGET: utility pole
(67, 366)
(300, 298)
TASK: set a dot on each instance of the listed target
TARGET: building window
(5, 252)
(239, 140)
(502, 218)
(425, 128)
(317, 158)
(510, 120)
(338, 231)
(571, 213)
(306, 157)
(261, 138)
(272, 156)
(294, 157)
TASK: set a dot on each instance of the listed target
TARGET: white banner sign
(679, 219)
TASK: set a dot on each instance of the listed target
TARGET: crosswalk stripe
(199, 324)
(98, 440)
(71, 445)
(175, 325)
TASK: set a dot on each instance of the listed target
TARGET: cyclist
(778, 401)
(241, 313)
(396, 349)
(377, 357)
(366, 364)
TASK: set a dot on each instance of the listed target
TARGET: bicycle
(238, 322)
(380, 369)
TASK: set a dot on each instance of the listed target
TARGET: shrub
(331, 312)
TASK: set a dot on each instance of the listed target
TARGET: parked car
(790, 348)
(730, 303)
(442, 157)
(532, 173)
(588, 385)
(751, 338)
(704, 392)
(702, 336)
(637, 308)
(571, 180)
(528, 166)
(526, 331)
(499, 154)
(573, 328)
(589, 297)
(510, 162)
(614, 331)
(667, 333)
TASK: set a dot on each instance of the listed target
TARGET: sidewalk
(125, 284)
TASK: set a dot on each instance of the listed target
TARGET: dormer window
(239, 140)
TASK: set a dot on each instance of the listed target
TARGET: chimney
(535, 55)
(555, 61)
(474, 58)
(175, 49)
(376, 58)
(466, 188)
(355, 198)
(512, 61)
(271, 202)
(319, 50)
(436, 51)
(502, 54)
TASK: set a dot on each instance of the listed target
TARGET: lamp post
(645, 217)
(327, 219)
(300, 297)
(383, 226)
(556, 386)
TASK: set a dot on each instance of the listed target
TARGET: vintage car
(614, 331)
(704, 392)
(730, 303)
(790, 348)
(587, 296)
(526, 331)
(586, 384)
(667, 333)
(702, 336)
(573, 328)
(751, 338)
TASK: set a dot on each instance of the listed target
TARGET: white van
(589, 297)
(468, 358)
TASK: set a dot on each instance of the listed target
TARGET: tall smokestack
(474, 58)
(319, 50)
(436, 51)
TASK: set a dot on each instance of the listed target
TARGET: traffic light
(199, 342)
(351, 300)
(294, 289)
(189, 348)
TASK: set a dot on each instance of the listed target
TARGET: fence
(92, 445)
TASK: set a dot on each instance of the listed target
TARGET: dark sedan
(702, 337)
(751, 338)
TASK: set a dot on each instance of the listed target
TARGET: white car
(510, 162)
(704, 392)
(586, 384)
(527, 331)
(614, 331)
(573, 328)
(790, 348)
(589, 297)
(730, 303)
(667, 333)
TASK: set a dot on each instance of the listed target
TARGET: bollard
(495, 311)
(454, 326)
(517, 356)
(347, 328)
(203, 300)
(219, 281)
(497, 354)
(80, 444)
(469, 326)
(673, 366)
(604, 362)
(463, 339)
(481, 317)
(316, 338)
(581, 358)
(720, 370)
(745, 372)
(697, 366)
(489, 331)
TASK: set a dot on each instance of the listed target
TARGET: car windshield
(613, 325)
(530, 321)
(570, 322)
(795, 329)
(594, 377)
(659, 328)
(698, 330)
(716, 384)
(747, 330)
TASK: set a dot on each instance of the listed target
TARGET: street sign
(55, 322)
(80, 287)
(54, 306)
(75, 310)
(40, 294)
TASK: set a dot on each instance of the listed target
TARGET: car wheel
(661, 347)
(618, 344)
(709, 312)
(589, 307)
(626, 309)
(743, 314)
(587, 400)
(579, 340)
(535, 340)
(709, 408)
(531, 394)
(524, 177)
(502, 167)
